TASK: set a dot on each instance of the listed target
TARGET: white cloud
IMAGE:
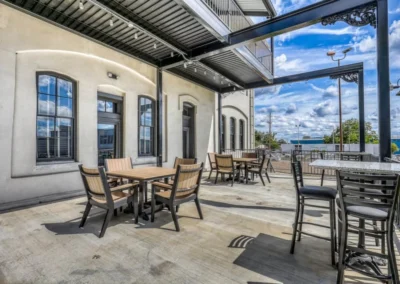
(292, 108)
(285, 65)
(396, 11)
(329, 92)
(323, 109)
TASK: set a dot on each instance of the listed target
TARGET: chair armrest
(124, 186)
(162, 185)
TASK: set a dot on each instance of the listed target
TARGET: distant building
(308, 141)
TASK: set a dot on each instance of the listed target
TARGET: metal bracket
(358, 17)
(348, 77)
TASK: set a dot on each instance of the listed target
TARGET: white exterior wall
(239, 105)
(44, 47)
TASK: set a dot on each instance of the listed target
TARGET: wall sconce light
(112, 76)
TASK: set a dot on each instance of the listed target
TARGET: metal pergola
(163, 34)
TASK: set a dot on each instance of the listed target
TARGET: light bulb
(172, 54)
(111, 23)
(130, 25)
(185, 65)
(195, 69)
(205, 72)
(136, 36)
(155, 45)
(81, 5)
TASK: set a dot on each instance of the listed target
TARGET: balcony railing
(234, 19)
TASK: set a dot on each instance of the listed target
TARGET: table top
(244, 160)
(375, 167)
(148, 173)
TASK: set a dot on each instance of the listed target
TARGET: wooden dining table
(245, 161)
(143, 176)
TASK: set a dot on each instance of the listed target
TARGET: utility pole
(270, 130)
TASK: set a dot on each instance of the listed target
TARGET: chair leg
(322, 177)
(209, 176)
(233, 178)
(85, 214)
(216, 178)
(262, 180)
(266, 174)
(392, 256)
(177, 208)
(333, 237)
(383, 247)
(174, 217)
(197, 201)
(106, 221)
(342, 252)
(153, 204)
(136, 205)
(296, 221)
(301, 219)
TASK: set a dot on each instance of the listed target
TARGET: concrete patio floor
(244, 238)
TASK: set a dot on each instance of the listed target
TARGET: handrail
(234, 19)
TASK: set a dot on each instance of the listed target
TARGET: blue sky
(314, 104)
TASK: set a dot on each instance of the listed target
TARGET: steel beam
(361, 113)
(298, 19)
(219, 111)
(159, 125)
(351, 68)
(382, 46)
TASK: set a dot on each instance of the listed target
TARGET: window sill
(50, 168)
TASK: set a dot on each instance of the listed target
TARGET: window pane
(109, 107)
(101, 105)
(47, 84)
(45, 148)
(64, 88)
(63, 141)
(45, 126)
(46, 104)
(64, 107)
(146, 112)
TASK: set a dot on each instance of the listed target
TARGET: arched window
(55, 122)
(241, 134)
(233, 133)
(223, 133)
(146, 126)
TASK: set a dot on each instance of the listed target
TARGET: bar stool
(368, 198)
(321, 193)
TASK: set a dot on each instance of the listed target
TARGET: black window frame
(232, 134)
(223, 132)
(55, 116)
(153, 112)
(241, 134)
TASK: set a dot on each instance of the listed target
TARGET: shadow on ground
(313, 213)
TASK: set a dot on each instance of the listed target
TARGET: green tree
(394, 148)
(351, 133)
(266, 139)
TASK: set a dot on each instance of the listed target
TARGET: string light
(111, 23)
(136, 36)
(155, 45)
(130, 25)
(81, 5)
(185, 65)
(172, 54)
(205, 72)
(195, 70)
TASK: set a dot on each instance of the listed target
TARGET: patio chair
(305, 193)
(368, 198)
(249, 155)
(213, 163)
(185, 188)
(225, 166)
(260, 169)
(119, 164)
(182, 161)
(101, 195)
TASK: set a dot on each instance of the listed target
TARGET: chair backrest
(187, 180)
(375, 191)
(119, 164)
(184, 161)
(249, 155)
(95, 182)
(224, 162)
(297, 175)
(265, 161)
(211, 158)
